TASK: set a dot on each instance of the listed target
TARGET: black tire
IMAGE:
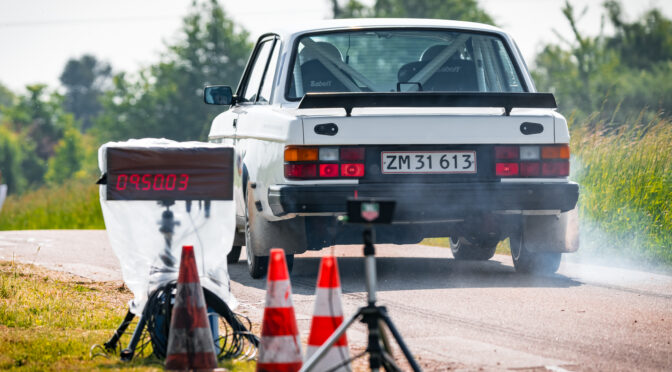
(261, 236)
(256, 265)
(290, 262)
(234, 255)
(463, 250)
(525, 261)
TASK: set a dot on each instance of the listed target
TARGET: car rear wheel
(259, 237)
(537, 243)
(526, 261)
(256, 265)
(234, 255)
(463, 249)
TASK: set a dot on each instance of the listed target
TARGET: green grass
(49, 321)
(625, 204)
(502, 246)
(73, 205)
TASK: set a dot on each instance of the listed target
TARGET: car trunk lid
(404, 128)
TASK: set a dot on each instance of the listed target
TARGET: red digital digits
(153, 182)
(146, 182)
(170, 182)
(158, 179)
(135, 179)
(184, 180)
(122, 178)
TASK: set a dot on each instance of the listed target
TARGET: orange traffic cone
(328, 316)
(190, 344)
(280, 348)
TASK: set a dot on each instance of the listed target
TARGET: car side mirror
(218, 95)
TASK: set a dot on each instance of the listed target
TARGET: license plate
(414, 162)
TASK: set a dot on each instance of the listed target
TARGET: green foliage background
(616, 89)
(463, 10)
(616, 76)
(165, 100)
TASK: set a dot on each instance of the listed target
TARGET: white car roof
(291, 30)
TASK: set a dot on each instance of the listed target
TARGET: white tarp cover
(145, 258)
(3, 194)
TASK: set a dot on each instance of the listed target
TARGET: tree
(6, 97)
(570, 74)
(165, 100)
(40, 116)
(352, 9)
(84, 80)
(617, 76)
(37, 121)
(10, 160)
(68, 158)
(641, 44)
(462, 10)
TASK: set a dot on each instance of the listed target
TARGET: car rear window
(401, 61)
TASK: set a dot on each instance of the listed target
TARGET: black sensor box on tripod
(370, 210)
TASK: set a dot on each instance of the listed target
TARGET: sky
(37, 37)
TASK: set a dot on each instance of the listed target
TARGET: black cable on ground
(237, 340)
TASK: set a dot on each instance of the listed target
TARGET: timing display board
(158, 173)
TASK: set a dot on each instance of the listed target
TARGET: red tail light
(328, 170)
(529, 169)
(305, 162)
(300, 170)
(507, 152)
(352, 154)
(506, 169)
(532, 161)
(352, 170)
(555, 168)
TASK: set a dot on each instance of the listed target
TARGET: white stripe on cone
(328, 305)
(194, 340)
(279, 294)
(335, 356)
(328, 302)
(280, 349)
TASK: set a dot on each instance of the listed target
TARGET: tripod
(371, 315)
(167, 229)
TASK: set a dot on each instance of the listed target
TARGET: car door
(253, 98)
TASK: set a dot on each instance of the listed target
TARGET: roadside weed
(50, 320)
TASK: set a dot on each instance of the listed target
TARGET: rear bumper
(420, 202)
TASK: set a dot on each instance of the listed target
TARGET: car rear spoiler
(348, 101)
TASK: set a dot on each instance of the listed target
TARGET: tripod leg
(388, 363)
(347, 362)
(111, 344)
(400, 341)
(319, 354)
(127, 353)
(374, 348)
(383, 337)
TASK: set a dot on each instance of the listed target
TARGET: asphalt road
(453, 315)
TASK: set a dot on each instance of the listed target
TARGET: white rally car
(440, 116)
